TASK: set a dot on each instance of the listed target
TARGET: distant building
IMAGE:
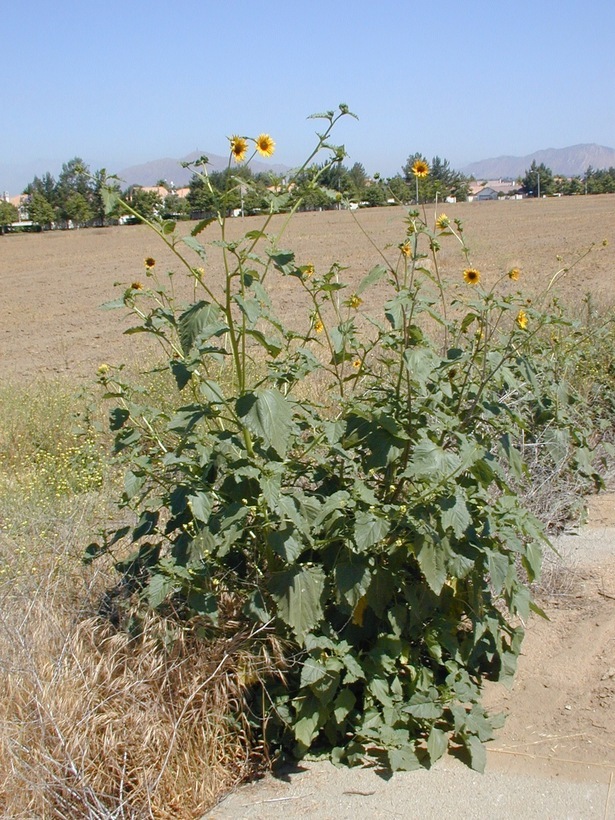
(494, 189)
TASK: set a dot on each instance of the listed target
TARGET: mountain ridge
(572, 160)
(171, 170)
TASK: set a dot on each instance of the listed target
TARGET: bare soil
(52, 284)
(562, 705)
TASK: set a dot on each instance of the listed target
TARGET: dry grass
(95, 723)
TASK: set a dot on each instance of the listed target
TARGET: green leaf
(369, 529)
(312, 671)
(498, 569)
(195, 245)
(201, 321)
(403, 760)
(437, 744)
(181, 372)
(159, 588)
(344, 704)
(375, 274)
(455, 514)
(201, 506)
(267, 414)
(432, 561)
(200, 226)
(298, 594)
(352, 581)
(478, 755)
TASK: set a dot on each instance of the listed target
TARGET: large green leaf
(455, 514)
(267, 414)
(201, 321)
(432, 562)
(298, 594)
(369, 529)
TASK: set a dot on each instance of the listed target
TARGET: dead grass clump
(95, 723)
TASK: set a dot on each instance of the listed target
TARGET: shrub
(345, 486)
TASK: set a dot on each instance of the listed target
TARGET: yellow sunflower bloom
(149, 262)
(355, 301)
(239, 148)
(264, 145)
(442, 222)
(308, 270)
(406, 249)
(356, 364)
(420, 168)
(514, 274)
(471, 276)
(318, 326)
(136, 286)
(522, 319)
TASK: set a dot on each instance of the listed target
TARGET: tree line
(539, 180)
(76, 198)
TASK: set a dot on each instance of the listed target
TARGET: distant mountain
(571, 161)
(172, 171)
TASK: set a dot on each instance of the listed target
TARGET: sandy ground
(561, 710)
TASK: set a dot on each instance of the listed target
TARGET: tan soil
(52, 284)
(562, 705)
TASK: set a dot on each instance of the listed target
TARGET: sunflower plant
(372, 530)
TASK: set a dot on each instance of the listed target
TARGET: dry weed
(98, 724)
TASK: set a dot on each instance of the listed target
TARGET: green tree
(8, 214)
(77, 209)
(201, 198)
(147, 203)
(40, 210)
(102, 184)
(538, 178)
(45, 185)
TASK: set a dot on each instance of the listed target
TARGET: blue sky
(119, 83)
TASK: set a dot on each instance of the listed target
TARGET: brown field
(52, 284)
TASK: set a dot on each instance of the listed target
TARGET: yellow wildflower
(420, 168)
(522, 319)
(471, 276)
(355, 301)
(265, 145)
(356, 364)
(239, 147)
(149, 262)
(318, 326)
(103, 369)
(406, 249)
(442, 222)
(514, 274)
(137, 286)
(308, 270)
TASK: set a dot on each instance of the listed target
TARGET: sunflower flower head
(318, 326)
(406, 249)
(136, 286)
(239, 148)
(420, 168)
(355, 301)
(471, 276)
(264, 145)
(442, 222)
(356, 364)
(308, 270)
(149, 262)
(514, 274)
(522, 319)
